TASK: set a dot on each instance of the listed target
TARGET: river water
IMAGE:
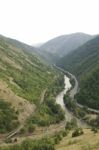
(59, 98)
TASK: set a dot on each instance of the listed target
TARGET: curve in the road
(74, 91)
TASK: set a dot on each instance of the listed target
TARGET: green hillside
(26, 83)
(84, 63)
(25, 74)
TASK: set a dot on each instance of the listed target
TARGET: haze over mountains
(56, 48)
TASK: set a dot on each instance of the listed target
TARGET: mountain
(24, 81)
(84, 63)
(56, 48)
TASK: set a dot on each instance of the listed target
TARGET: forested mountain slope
(84, 63)
(54, 49)
(89, 92)
(83, 59)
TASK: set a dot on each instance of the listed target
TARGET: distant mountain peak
(62, 45)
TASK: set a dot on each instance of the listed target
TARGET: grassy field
(87, 141)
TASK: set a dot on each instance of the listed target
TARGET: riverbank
(59, 100)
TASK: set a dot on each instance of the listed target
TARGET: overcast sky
(36, 21)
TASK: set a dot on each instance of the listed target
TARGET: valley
(52, 129)
(49, 99)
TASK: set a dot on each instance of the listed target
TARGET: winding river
(59, 100)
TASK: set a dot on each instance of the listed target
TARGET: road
(74, 91)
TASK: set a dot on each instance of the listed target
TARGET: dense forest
(89, 92)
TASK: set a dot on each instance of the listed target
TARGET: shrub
(72, 124)
(77, 132)
(22, 130)
(8, 140)
(31, 128)
(95, 130)
(64, 133)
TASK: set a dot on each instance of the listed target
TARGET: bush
(22, 130)
(31, 128)
(77, 132)
(64, 133)
(59, 136)
(8, 140)
(56, 140)
(95, 130)
(72, 124)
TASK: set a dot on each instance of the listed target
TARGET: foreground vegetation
(49, 142)
(8, 117)
(45, 143)
(87, 141)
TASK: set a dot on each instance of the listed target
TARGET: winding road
(74, 91)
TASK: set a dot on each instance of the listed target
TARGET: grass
(87, 141)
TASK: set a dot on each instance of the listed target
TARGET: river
(59, 100)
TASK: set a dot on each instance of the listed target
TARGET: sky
(36, 21)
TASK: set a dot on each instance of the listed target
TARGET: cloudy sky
(36, 21)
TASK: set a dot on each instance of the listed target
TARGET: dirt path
(38, 133)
